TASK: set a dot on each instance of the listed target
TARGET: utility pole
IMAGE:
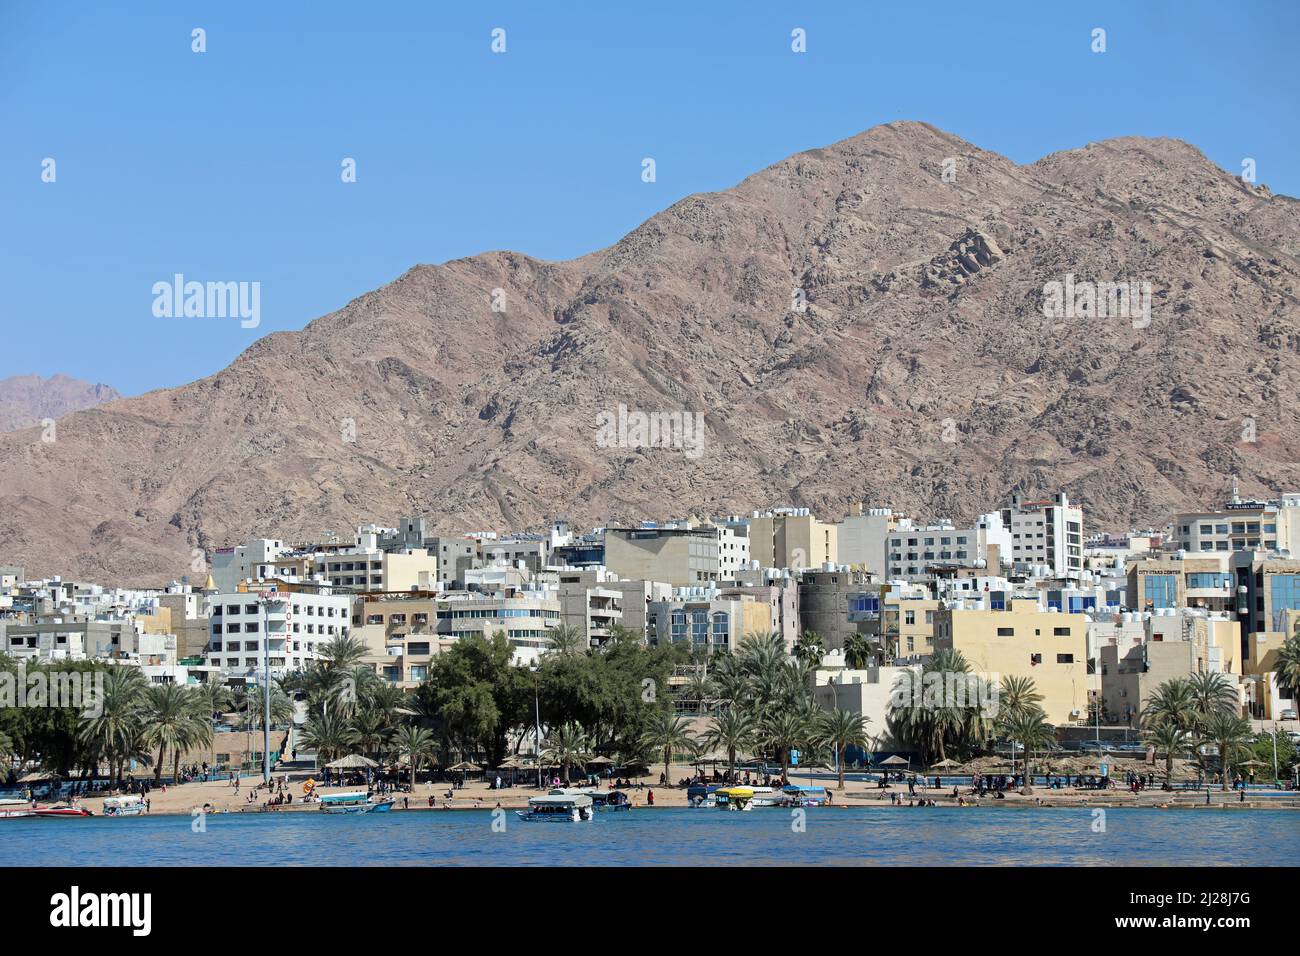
(266, 693)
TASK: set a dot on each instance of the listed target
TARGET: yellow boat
(734, 798)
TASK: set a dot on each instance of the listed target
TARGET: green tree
(731, 730)
(417, 743)
(1029, 728)
(668, 733)
(1232, 735)
(1174, 702)
(567, 747)
(329, 735)
(857, 652)
(841, 729)
(1170, 739)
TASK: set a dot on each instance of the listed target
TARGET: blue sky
(226, 165)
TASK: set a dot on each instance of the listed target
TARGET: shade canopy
(945, 762)
(351, 762)
(599, 762)
(894, 761)
(465, 767)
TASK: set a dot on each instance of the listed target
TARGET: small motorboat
(559, 808)
(355, 801)
(61, 810)
(734, 798)
(10, 809)
(131, 805)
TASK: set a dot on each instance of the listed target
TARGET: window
(1159, 590)
(1061, 632)
(1285, 592)
(1006, 632)
(1065, 658)
(909, 617)
(1035, 658)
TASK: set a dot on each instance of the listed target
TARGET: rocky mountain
(864, 321)
(27, 400)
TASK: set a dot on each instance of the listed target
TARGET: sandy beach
(221, 797)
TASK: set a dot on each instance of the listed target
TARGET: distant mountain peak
(27, 400)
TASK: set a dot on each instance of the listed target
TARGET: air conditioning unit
(1076, 714)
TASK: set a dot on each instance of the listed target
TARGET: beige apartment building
(1047, 646)
(792, 538)
(1168, 581)
(679, 556)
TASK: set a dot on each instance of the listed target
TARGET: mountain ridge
(910, 379)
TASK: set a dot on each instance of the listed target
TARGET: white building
(1047, 534)
(288, 625)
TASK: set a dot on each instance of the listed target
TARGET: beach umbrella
(599, 762)
(944, 764)
(351, 762)
(465, 767)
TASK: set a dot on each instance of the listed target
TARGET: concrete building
(1242, 525)
(792, 538)
(862, 538)
(400, 630)
(590, 603)
(868, 692)
(704, 619)
(635, 598)
(829, 600)
(245, 561)
(1047, 646)
(919, 552)
(287, 621)
(678, 555)
(1182, 579)
(1046, 533)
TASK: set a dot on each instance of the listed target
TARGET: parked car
(1289, 714)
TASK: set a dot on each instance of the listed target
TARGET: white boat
(354, 801)
(15, 808)
(767, 797)
(559, 808)
(131, 805)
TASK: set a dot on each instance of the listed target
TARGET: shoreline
(188, 799)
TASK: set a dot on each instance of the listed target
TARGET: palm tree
(857, 651)
(1288, 667)
(417, 743)
(1031, 730)
(329, 735)
(699, 688)
(784, 734)
(810, 647)
(1231, 734)
(567, 745)
(167, 712)
(666, 734)
(372, 731)
(115, 731)
(342, 652)
(1174, 702)
(566, 639)
(1170, 739)
(1018, 694)
(731, 730)
(212, 698)
(841, 729)
(1213, 695)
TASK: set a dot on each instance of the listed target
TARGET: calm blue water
(857, 836)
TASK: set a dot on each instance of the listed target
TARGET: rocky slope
(852, 325)
(27, 400)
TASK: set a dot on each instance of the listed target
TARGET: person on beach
(650, 798)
